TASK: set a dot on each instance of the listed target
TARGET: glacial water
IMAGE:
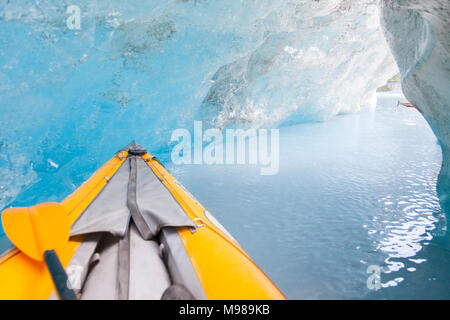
(355, 191)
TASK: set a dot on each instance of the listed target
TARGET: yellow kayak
(136, 233)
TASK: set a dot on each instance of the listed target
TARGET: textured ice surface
(418, 33)
(139, 69)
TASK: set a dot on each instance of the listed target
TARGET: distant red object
(405, 103)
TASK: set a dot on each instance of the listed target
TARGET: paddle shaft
(59, 276)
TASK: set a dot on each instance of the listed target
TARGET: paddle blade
(36, 229)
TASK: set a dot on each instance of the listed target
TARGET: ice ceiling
(139, 69)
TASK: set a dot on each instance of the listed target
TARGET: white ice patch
(52, 163)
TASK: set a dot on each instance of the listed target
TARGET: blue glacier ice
(417, 33)
(137, 70)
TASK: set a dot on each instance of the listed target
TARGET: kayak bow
(136, 233)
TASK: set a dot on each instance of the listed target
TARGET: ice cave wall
(418, 34)
(316, 59)
(139, 69)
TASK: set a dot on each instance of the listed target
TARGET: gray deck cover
(109, 211)
(134, 190)
(145, 276)
(179, 264)
(123, 223)
(102, 280)
(157, 205)
(149, 277)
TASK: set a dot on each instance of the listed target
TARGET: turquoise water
(355, 191)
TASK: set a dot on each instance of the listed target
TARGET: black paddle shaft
(59, 276)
